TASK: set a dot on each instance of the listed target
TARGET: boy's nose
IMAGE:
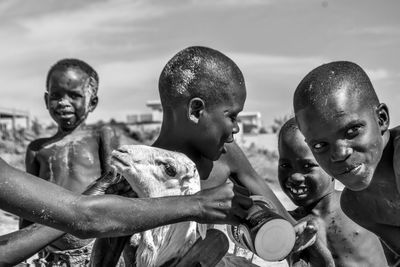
(296, 178)
(63, 102)
(340, 153)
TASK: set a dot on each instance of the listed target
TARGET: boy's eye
(75, 96)
(309, 165)
(284, 165)
(353, 131)
(53, 96)
(318, 146)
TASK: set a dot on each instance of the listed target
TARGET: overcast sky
(274, 42)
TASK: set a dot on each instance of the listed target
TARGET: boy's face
(345, 137)
(300, 176)
(218, 123)
(69, 98)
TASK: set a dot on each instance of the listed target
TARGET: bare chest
(350, 244)
(69, 163)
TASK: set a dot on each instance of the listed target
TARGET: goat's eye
(170, 170)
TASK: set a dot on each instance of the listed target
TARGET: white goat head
(155, 172)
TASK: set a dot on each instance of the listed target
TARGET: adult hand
(227, 203)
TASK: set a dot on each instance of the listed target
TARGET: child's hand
(306, 233)
(122, 188)
(224, 204)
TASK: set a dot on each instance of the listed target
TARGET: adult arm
(22, 244)
(104, 216)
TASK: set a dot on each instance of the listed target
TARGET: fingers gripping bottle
(265, 233)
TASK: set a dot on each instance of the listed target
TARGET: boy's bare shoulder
(352, 205)
(395, 133)
(39, 143)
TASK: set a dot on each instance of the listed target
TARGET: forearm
(87, 216)
(261, 188)
(20, 245)
(111, 216)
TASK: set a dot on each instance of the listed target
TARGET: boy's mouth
(298, 191)
(350, 170)
(64, 114)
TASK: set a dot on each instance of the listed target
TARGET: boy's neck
(323, 206)
(62, 132)
(174, 143)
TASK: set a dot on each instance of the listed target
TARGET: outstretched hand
(306, 233)
(227, 203)
(309, 249)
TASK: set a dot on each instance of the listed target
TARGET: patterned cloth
(67, 258)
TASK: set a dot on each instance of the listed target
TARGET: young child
(77, 154)
(202, 91)
(347, 130)
(312, 189)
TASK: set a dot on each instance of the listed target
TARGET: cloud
(233, 2)
(390, 30)
(377, 74)
(275, 64)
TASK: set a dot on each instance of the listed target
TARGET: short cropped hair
(67, 63)
(197, 72)
(289, 126)
(329, 78)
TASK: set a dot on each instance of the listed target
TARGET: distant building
(251, 121)
(154, 117)
(14, 119)
(147, 121)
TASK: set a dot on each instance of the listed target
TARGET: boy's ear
(195, 109)
(382, 113)
(93, 103)
(46, 96)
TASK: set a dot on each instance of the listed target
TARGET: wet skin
(217, 123)
(206, 137)
(312, 189)
(351, 142)
(76, 155)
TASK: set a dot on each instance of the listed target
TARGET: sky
(274, 42)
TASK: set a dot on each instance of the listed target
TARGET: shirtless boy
(202, 91)
(77, 154)
(347, 130)
(312, 189)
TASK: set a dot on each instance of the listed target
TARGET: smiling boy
(312, 189)
(347, 130)
(77, 154)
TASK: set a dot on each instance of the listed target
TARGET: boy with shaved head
(202, 91)
(347, 130)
